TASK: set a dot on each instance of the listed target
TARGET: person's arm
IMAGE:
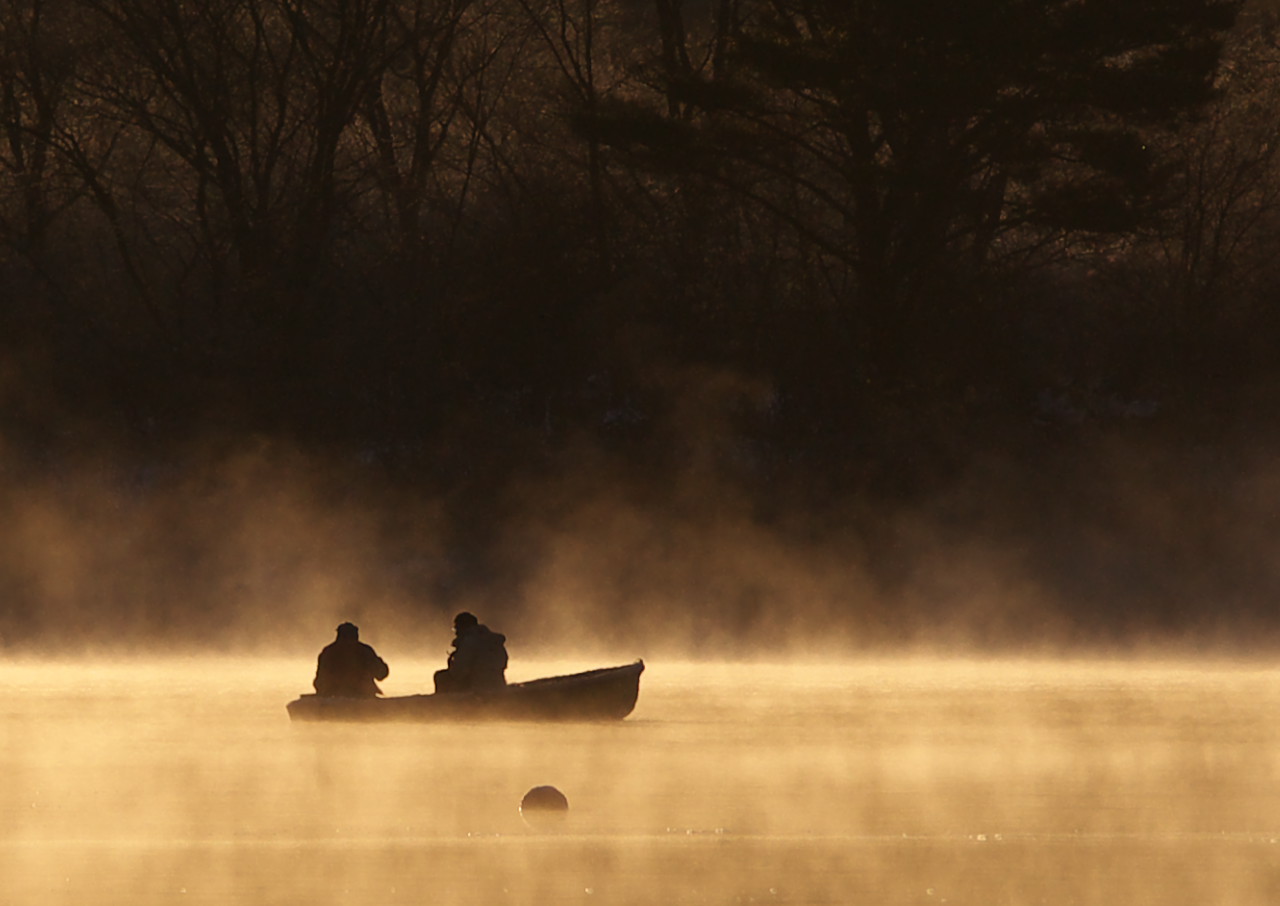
(315, 683)
(464, 658)
(377, 666)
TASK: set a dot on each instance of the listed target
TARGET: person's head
(464, 621)
(348, 631)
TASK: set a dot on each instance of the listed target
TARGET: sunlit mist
(881, 781)
(265, 548)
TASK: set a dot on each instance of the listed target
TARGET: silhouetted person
(348, 667)
(478, 662)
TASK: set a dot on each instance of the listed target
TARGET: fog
(262, 547)
(1047, 682)
(890, 781)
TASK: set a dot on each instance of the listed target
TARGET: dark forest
(722, 323)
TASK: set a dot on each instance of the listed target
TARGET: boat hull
(609, 693)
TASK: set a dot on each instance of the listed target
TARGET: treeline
(824, 249)
(368, 218)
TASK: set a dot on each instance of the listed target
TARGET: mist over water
(264, 548)
(830, 765)
(885, 781)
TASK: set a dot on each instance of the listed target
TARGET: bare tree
(1218, 235)
(37, 64)
(252, 97)
(425, 119)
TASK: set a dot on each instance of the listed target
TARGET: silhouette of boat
(608, 693)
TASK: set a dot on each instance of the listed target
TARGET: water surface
(878, 782)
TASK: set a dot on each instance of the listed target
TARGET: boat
(608, 693)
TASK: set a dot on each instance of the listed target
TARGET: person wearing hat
(478, 662)
(349, 668)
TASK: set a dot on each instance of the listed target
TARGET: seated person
(348, 667)
(478, 662)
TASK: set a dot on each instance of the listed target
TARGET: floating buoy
(543, 802)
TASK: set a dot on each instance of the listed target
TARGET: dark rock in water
(543, 799)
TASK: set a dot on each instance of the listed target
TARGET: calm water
(880, 783)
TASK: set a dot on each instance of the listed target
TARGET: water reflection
(885, 782)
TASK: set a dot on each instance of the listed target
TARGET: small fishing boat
(606, 694)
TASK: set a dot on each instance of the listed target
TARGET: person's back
(348, 667)
(478, 661)
(481, 658)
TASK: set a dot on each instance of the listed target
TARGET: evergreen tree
(912, 140)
